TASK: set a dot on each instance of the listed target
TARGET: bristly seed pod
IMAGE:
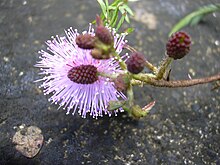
(178, 45)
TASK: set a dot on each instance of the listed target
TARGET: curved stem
(178, 83)
(111, 76)
(163, 67)
(151, 67)
(130, 48)
(130, 94)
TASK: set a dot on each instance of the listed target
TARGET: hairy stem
(163, 67)
(130, 94)
(121, 62)
(177, 83)
(151, 67)
(111, 76)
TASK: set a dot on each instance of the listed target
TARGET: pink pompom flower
(71, 79)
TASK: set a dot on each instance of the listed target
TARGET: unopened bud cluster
(101, 44)
(85, 41)
(178, 45)
(103, 34)
(136, 62)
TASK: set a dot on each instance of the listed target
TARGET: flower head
(178, 45)
(136, 62)
(71, 75)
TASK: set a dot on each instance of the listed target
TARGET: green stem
(151, 67)
(162, 69)
(143, 77)
(130, 94)
(187, 20)
(121, 62)
(137, 82)
(111, 76)
(141, 80)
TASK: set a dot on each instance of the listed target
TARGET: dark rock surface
(183, 127)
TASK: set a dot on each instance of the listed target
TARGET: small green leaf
(103, 7)
(129, 30)
(128, 9)
(113, 105)
(120, 22)
(106, 2)
(107, 8)
(112, 7)
(195, 20)
(116, 2)
(94, 21)
(114, 18)
(122, 10)
(194, 17)
(182, 23)
(127, 19)
(120, 4)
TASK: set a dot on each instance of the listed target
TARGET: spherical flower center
(83, 74)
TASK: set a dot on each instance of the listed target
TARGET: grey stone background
(183, 127)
